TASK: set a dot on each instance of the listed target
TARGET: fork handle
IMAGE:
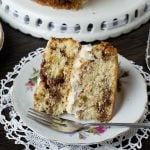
(131, 125)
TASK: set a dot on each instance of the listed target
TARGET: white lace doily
(17, 130)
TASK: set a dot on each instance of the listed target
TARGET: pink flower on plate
(97, 130)
(100, 130)
(32, 81)
(30, 84)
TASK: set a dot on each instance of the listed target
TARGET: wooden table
(17, 45)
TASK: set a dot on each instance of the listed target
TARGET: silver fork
(148, 52)
(69, 126)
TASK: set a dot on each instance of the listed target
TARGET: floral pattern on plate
(32, 81)
(95, 130)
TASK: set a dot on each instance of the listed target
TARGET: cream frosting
(84, 55)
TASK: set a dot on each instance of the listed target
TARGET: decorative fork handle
(131, 125)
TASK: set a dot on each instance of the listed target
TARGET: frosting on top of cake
(84, 55)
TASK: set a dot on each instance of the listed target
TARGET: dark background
(18, 45)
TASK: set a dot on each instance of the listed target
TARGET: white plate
(130, 104)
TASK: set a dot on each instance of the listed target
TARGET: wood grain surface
(18, 45)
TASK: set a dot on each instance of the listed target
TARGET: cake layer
(52, 92)
(95, 86)
(66, 4)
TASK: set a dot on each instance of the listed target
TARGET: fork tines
(44, 118)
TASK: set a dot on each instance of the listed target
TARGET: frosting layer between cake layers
(84, 56)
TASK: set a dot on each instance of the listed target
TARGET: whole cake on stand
(95, 20)
(66, 4)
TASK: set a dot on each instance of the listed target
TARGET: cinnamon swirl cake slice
(78, 79)
(54, 85)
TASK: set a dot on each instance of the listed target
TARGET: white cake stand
(97, 20)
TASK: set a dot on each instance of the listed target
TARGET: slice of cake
(79, 80)
(93, 83)
(65, 4)
(54, 85)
